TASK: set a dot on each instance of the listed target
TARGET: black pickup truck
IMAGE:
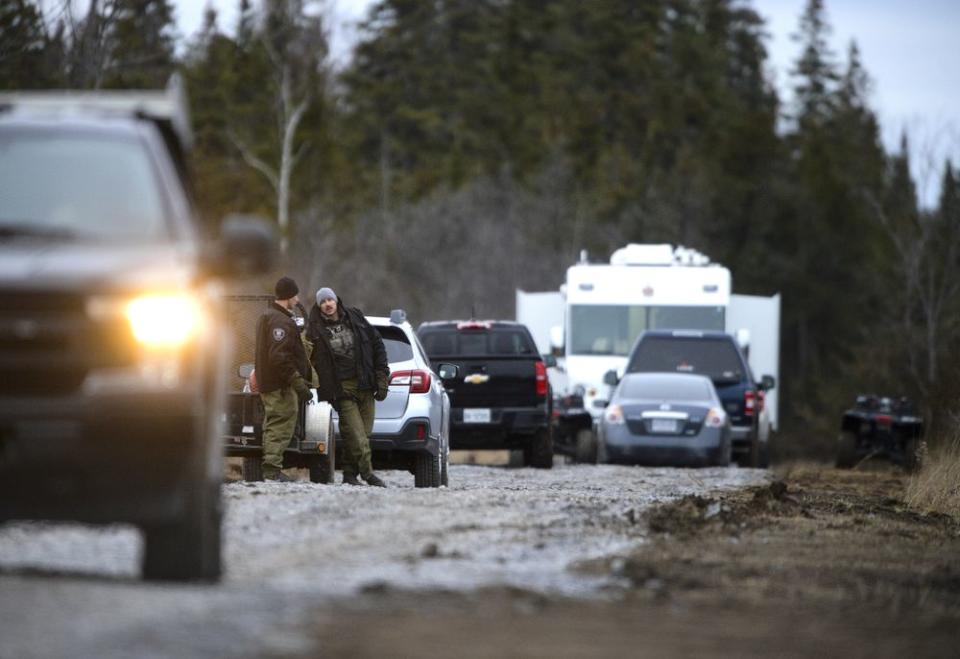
(503, 399)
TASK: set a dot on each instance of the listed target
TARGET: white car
(412, 426)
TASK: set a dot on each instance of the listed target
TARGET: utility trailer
(589, 326)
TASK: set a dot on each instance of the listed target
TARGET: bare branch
(255, 162)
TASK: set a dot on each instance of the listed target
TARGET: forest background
(468, 148)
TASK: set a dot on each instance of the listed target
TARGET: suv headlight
(163, 321)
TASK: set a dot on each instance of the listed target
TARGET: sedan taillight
(418, 381)
(716, 417)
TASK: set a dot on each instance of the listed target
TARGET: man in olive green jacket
(282, 369)
(351, 364)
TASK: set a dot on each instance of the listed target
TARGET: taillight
(418, 381)
(884, 419)
(749, 402)
(614, 415)
(715, 418)
(541, 379)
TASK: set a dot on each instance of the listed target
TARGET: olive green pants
(279, 422)
(356, 410)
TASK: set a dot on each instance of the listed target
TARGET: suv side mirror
(448, 371)
(247, 246)
(767, 382)
(549, 361)
(610, 377)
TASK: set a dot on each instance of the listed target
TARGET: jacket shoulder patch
(279, 333)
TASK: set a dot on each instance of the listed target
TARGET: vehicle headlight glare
(163, 320)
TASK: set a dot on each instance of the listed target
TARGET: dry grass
(936, 487)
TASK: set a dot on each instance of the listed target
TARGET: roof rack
(168, 106)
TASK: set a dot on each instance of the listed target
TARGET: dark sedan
(665, 419)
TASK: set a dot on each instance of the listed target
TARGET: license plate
(476, 415)
(663, 425)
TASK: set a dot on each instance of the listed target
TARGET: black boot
(375, 481)
(350, 479)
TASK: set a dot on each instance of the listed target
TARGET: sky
(910, 48)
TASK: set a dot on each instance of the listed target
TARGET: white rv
(593, 321)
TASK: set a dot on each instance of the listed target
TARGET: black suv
(503, 398)
(716, 355)
(112, 351)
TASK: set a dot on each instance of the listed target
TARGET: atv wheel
(846, 449)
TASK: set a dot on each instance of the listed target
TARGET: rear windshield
(496, 342)
(397, 344)
(718, 359)
(666, 388)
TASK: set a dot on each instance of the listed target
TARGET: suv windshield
(718, 359)
(602, 329)
(56, 185)
(477, 343)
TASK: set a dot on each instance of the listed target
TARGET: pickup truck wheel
(586, 451)
(189, 548)
(539, 453)
(426, 470)
(846, 449)
(253, 469)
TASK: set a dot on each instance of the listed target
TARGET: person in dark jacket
(282, 369)
(352, 368)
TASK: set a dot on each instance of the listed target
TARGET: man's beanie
(286, 288)
(325, 294)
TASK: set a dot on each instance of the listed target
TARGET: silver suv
(411, 430)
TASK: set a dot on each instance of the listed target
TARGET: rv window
(613, 329)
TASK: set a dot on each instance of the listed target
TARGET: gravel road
(68, 590)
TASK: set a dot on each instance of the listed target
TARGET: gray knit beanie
(325, 294)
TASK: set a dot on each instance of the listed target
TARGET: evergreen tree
(23, 62)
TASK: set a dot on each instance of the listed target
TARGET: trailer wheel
(539, 452)
(586, 448)
(846, 449)
(321, 469)
(252, 468)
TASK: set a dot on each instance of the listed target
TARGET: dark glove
(383, 386)
(303, 390)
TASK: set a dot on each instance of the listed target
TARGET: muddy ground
(820, 563)
(576, 561)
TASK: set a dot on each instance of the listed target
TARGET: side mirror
(247, 246)
(448, 371)
(610, 377)
(549, 361)
(244, 370)
(768, 382)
